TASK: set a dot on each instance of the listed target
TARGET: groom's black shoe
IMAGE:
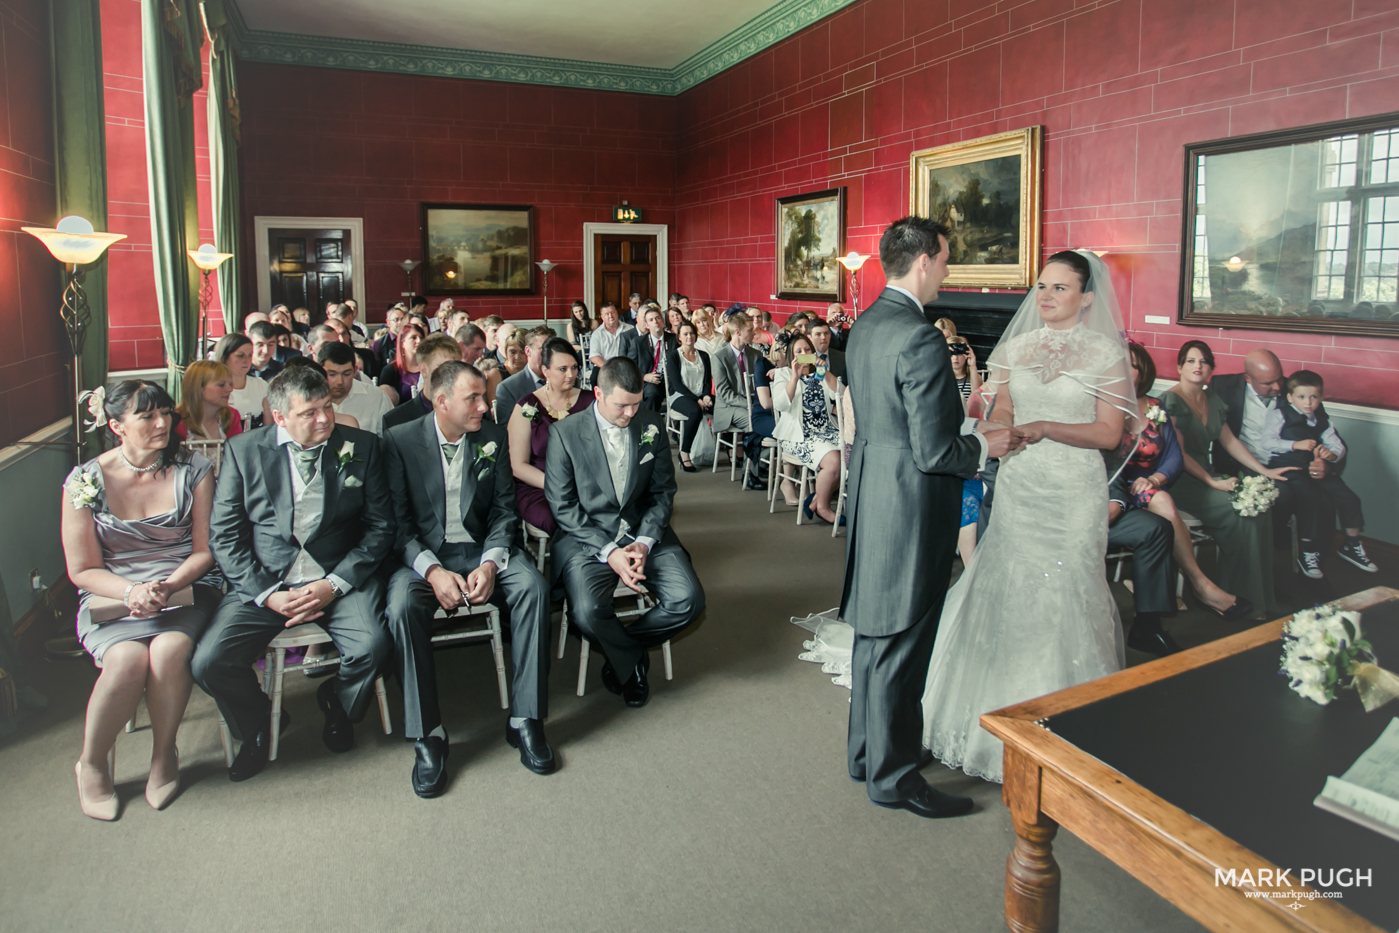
(535, 753)
(252, 757)
(339, 734)
(636, 691)
(931, 803)
(610, 680)
(1158, 642)
(430, 766)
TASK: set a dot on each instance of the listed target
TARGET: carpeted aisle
(722, 805)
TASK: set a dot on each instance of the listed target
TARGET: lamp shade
(208, 258)
(853, 261)
(408, 265)
(546, 266)
(73, 241)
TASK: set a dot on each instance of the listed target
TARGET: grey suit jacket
(414, 465)
(510, 391)
(729, 407)
(578, 486)
(1230, 387)
(409, 410)
(904, 492)
(250, 530)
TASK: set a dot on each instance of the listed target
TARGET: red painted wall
(1119, 87)
(134, 321)
(33, 380)
(319, 142)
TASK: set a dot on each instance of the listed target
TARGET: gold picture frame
(996, 237)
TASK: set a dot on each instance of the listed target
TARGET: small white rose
(488, 450)
(347, 449)
(529, 411)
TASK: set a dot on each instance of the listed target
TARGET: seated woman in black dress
(691, 387)
(136, 536)
(559, 397)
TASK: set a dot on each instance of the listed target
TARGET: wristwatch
(335, 589)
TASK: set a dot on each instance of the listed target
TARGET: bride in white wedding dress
(1033, 613)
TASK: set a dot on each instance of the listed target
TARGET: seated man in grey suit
(531, 377)
(301, 523)
(433, 351)
(454, 496)
(610, 484)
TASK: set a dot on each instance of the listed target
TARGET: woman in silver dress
(136, 540)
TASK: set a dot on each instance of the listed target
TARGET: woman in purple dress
(559, 397)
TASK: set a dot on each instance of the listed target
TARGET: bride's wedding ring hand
(1033, 432)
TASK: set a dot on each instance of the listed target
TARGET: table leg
(1032, 878)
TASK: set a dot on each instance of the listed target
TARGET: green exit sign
(626, 215)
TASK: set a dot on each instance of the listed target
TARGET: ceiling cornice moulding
(763, 31)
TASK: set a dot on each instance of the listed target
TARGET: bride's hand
(1224, 483)
(1033, 432)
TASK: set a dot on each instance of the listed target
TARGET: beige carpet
(722, 805)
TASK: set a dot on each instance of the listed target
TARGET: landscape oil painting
(478, 249)
(810, 242)
(987, 193)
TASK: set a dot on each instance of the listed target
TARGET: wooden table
(1214, 740)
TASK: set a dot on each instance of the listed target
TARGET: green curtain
(224, 138)
(80, 161)
(171, 37)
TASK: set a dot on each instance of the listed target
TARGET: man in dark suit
(653, 348)
(820, 334)
(908, 460)
(434, 350)
(610, 483)
(263, 334)
(454, 497)
(839, 323)
(301, 522)
(528, 379)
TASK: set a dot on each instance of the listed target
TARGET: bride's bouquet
(1323, 653)
(1254, 495)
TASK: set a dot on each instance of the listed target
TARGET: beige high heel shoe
(160, 797)
(97, 809)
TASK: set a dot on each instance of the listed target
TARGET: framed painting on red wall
(478, 249)
(1294, 230)
(810, 242)
(989, 192)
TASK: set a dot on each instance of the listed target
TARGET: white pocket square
(647, 457)
(352, 481)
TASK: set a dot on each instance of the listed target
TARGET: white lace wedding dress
(1033, 613)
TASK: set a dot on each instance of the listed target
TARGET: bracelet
(126, 597)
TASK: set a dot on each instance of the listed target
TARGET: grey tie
(306, 462)
(449, 451)
(617, 460)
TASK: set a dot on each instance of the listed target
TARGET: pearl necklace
(133, 467)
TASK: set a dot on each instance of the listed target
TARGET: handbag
(105, 609)
(703, 448)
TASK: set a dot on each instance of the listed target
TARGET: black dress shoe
(252, 757)
(339, 733)
(637, 690)
(932, 804)
(430, 768)
(1158, 642)
(535, 753)
(688, 467)
(610, 680)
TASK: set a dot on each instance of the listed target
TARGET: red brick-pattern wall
(320, 142)
(33, 349)
(1119, 86)
(134, 322)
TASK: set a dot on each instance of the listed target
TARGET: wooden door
(624, 263)
(310, 268)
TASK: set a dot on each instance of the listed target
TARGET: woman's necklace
(558, 414)
(155, 465)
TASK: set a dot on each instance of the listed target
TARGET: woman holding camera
(802, 394)
(964, 367)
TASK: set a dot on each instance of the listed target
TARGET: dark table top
(1233, 746)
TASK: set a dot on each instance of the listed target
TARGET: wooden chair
(536, 543)
(735, 437)
(673, 418)
(643, 603)
(842, 398)
(213, 449)
(463, 635)
(304, 635)
(1197, 537)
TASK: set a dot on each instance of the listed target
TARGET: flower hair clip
(96, 400)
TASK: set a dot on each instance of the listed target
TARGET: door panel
(611, 289)
(624, 264)
(312, 267)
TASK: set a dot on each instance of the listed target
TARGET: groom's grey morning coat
(904, 493)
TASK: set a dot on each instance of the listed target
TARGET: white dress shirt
(616, 446)
(1274, 444)
(454, 531)
(248, 400)
(367, 405)
(1256, 409)
(304, 569)
(606, 344)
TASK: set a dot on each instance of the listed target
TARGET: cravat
(617, 460)
(449, 451)
(306, 462)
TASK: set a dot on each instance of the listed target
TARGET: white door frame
(662, 261)
(264, 258)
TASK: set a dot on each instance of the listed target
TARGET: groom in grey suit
(300, 525)
(904, 497)
(610, 484)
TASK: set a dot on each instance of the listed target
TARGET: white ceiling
(656, 33)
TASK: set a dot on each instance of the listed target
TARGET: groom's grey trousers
(412, 606)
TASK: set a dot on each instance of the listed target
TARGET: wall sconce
(853, 261)
(408, 265)
(75, 244)
(546, 267)
(207, 259)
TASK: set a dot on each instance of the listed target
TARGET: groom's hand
(1002, 442)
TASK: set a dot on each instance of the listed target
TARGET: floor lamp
(75, 244)
(852, 261)
(207, 259)
(546, 267)
(408, 265)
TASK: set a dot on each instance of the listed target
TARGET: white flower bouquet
(1323, 653)
(1254, 495)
